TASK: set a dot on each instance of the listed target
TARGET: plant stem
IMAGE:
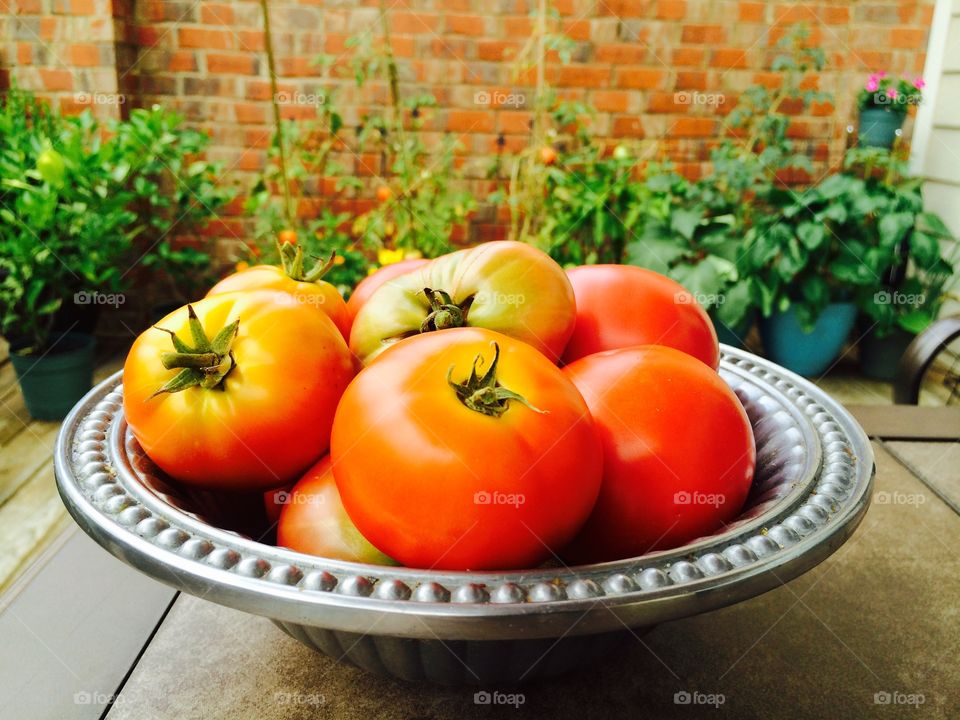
(277, 122)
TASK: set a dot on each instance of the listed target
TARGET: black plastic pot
(879, 356)
(52, 383)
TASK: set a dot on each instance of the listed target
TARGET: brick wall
(646, 66)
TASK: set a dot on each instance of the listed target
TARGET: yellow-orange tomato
(287, 236)
(366, 287)
(384, 193)
(313, 520)
(548, 156)
(318, 294)
(269, 415)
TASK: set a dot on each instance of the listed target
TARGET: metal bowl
(811, 489)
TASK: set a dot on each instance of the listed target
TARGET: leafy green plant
(76, 204)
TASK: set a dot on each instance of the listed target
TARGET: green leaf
(925, 248)
(706, 279)
(811, 234)
(685, 220)
(894, 226)
(931, 224)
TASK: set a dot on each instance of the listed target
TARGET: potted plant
(73, 203)
(883, 103)
(64, 227)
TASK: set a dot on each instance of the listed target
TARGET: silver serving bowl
(811, 489)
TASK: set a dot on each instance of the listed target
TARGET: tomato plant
(307, 286)
(505, 286)
(313, 520)
(678, 451)
(465, 449)
(620, 306)
(237, 391)
(366, 287)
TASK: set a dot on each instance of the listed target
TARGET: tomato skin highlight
(314, 521)
(366, 287)
(509, 287)
(435, 484)
(679, 453)
(320, 294)
(273, 415)
(622, 305)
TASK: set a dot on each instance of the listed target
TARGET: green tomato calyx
(483, 394)
(206, 364)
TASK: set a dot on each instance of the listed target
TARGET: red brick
(621, 53)
(627, 127)
(24, 53)
(641, 78)
(26, 7)
(216, 14)
(250, 40)
(82, 7)
(583, 76)
(907, 38)
(296, 67)
(728, 58)
(515, 121)
(663, 102)
(48, 27)
(249, 114)
(414, 23)
(517, 27)
(468, 121)
(182, 61)
(148, 36)
(203, 38)
(692, 127)
(689, 80)
(615, 101)
(835, 14)
(703, 34)
(496, 49)
(671, 9)
(577, 29)
(465, 24)
(231, 64)
(85, 55)
(752, 11)
(688, 57)
(54, 79)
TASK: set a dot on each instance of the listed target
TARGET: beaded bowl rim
(748, 559)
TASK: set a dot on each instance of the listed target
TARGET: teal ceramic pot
(53, 383)
(785, 342)
(878, 127)
(880, 356)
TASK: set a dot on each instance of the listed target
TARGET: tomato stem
(206, 364)
(484, 394)
(444, 313)
(292, 260)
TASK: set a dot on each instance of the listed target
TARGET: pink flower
(882, 74)
(919, 83)
(892, 93)
(872, 85)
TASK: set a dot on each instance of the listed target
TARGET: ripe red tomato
(548, 156)
(313, 520)
(678, 451)
(509, 287)
(384, 193)
(317, 294)
(441, 465)
(622, 305)
(256, 405)
(365, 288)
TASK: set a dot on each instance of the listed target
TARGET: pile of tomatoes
(481, 411)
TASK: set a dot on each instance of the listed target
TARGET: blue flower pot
(804, 353)
(878, 127)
